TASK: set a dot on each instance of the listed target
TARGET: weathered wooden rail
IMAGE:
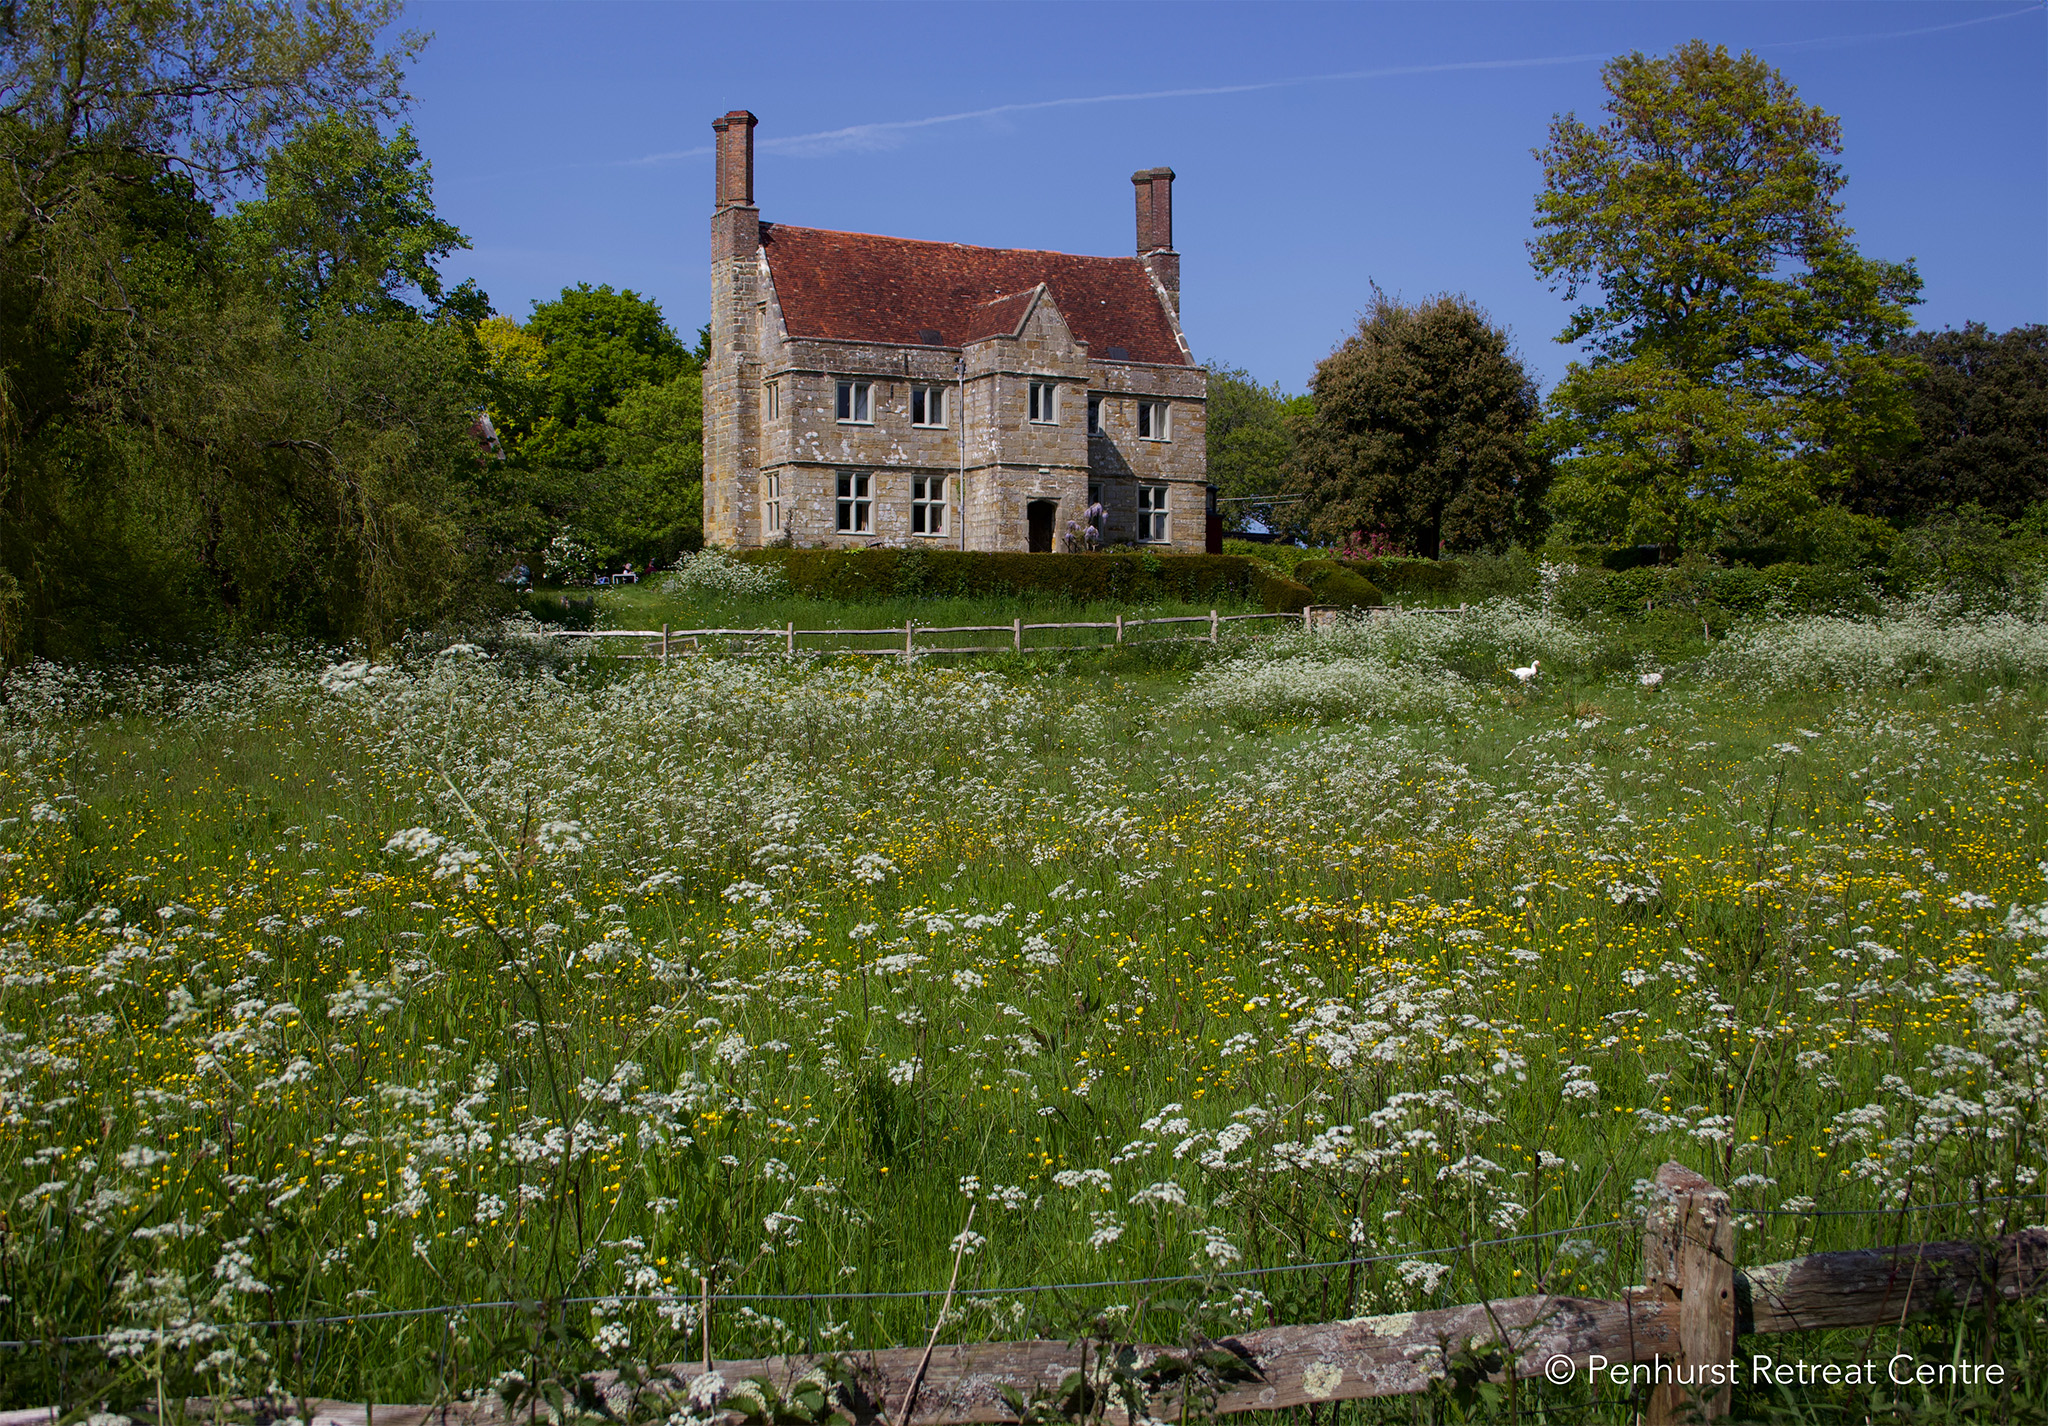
(789, 641)
(1680, 1327)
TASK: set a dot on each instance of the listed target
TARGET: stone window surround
(934, 402)
(1042, 401)
(855, 504)
(1154, 513)
(1155, 420)
(928, 506)
(855, 402)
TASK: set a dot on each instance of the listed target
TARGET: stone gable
(866, 390)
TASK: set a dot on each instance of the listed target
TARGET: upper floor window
(771, 501)
(771, 400)
(928, 505)
(927, 405)
(1152, 513)
(1153, 421)
(853, 401)
(1043, 396)
(856, 506)
(1094, 420)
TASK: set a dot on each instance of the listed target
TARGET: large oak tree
(1738, 369)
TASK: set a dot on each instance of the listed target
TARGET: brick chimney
(1155, 229)
(735, 222)
(735, 166)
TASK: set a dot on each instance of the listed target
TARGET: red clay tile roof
(856, 287)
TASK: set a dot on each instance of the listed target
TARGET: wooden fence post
(1214, 624)
(1119, 628)
(789, 647)
(664, 646)
(1307, 617)
(1017, 634)
(909, 637)
(1689, 1262)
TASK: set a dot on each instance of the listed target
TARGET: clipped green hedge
(1084, 578)
(1338, 585)
(1404, 577)
(1738, 592)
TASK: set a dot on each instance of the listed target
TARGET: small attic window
(929, 336)
(1119, 354)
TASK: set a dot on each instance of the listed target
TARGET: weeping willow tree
(220, 416)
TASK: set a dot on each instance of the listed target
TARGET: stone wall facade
(787, 460)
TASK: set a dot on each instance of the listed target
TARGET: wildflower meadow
(415, 1029)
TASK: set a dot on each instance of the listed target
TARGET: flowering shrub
(716, 572)
(1251, 691)
(1912, 643)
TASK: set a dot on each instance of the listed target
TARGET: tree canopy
(1980, 400)
(346, 224)
(1420, 429)
(600, 409)
(1250, 445)
(213, 422)
(1739, 367)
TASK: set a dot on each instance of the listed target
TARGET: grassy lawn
(352, 990)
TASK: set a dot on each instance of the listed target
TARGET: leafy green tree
(1739, 367)
(655, 441)
(177, 455)
(600, 408)
(1420, 428)
(1250, 445)
(598, 345)
(346, 223)
(1980, 400)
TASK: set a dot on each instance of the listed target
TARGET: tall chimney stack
(735, 163)
(1154, 188)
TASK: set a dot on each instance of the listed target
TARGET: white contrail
(876, 135)
(882, 134)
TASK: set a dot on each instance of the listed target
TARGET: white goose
(1526, 674)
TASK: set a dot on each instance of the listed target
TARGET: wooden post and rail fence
(665, 642)
(1676, 1336)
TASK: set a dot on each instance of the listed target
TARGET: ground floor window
(928, 505)
(1152, 513)
(856, 506)
(771, 504)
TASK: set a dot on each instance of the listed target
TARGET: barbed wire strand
(1024, 1291)
(688, 1299)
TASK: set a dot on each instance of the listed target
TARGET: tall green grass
(385, 988)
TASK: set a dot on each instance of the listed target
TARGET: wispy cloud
(886, 134)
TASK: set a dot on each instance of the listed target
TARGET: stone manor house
(866, 390)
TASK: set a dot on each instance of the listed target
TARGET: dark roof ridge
(769, 228)
(846, 286)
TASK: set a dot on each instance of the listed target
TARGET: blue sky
(1319, 147)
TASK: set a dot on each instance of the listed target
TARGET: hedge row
(1738, 591)
(1084, 578)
